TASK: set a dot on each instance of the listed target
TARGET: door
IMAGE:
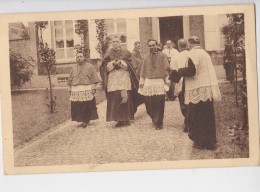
(171, 28)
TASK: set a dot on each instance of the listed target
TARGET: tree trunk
(51, 96)
(37, 44)
(235, 68)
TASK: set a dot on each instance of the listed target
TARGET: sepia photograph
(129, 89)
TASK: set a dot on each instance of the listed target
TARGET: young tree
(234, 33)
(47, 60)
(21, 70)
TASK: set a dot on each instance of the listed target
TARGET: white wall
(214, 39)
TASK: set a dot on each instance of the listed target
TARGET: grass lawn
(31, 116)
(227, 115)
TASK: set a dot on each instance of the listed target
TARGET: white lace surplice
(202, 94)
(152, 87)
(118, 79)
(81, 93)
(204, 84)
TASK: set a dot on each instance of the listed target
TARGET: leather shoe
(120, 124)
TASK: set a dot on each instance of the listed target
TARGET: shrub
(21, 69)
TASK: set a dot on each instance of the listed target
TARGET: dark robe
(200, 117)
(115, 110)
(85, 76)
(155, 105)
(83, 111)
(183, 106)
(155, 66)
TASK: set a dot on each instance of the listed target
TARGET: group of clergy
(130, 79)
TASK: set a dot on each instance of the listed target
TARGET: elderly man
(153, 82)
(172, 55)
(136, 55)
(182, 62)
(201, 89)
(120, 83)
(82, 84)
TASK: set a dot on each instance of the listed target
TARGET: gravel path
(101, 142)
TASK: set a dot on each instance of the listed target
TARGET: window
(15, 31)
(63, 39)
(18, 33)
(117, 27)
(62, 80)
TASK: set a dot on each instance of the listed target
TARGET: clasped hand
(116, 64)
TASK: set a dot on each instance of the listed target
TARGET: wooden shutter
(93, 40)
(186, 27)
(211, 29)
(132, 32)
(47, 35)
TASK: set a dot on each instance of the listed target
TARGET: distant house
(60, 35)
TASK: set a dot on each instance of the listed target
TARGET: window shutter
(222, 20)
(133, 33)
(186, 27)
(211, 29)
(93, 40)
(46, 35)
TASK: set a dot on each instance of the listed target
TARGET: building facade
(60, 35)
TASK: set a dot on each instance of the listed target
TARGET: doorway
(171, 28)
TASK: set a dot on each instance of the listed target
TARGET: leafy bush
(21, 69)
(103, 39)
(81, 28)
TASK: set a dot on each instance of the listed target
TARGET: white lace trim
(118, 80)
(202, 94)
(81, 96)
(81, 93)
(153, 87)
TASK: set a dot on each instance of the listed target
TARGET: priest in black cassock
(154, 82)
(82, 82)
(201, 90)
(120, 83)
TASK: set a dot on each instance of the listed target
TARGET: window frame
(66, 59)
(115, 22)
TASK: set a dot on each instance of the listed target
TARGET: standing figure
(228, 63)
(201, 89)
(136, 55)
(183, 59)
(82, 84)
(172, 55)
(120, 83)
(154, 82)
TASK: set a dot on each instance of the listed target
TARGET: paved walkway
(101, 142)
